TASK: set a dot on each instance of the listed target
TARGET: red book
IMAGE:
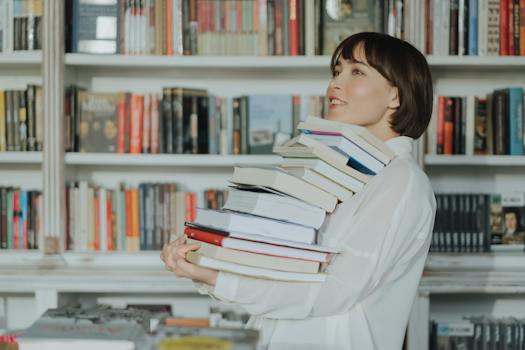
(448, 142)
(121, 123)
(294, 29)
(109, 220)
(522, 27)
(441, 125)
(223, 239)
(146, 124)
(169, 28)
(256, 16)
(511, 27)
(137, 111)
(504, 27)
(238, 16)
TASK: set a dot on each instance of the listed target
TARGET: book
(275, 205)
(94, 26)
(315, 149)
(98, 122)
(354, 133)
(255, 259)
(251, 271)
(259, 244)
(507, 221)
(321, 182)
(281, 181)
(358, 158)
(233, 221)
(344, 18)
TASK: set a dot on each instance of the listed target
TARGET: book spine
(137, 110)
(473, 27)
(3, 131)
(454, 27)
(294, 28)
(121, 123)
(448, 141)
(522, 28)
(504, 27)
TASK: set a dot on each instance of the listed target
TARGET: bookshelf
(485, 278)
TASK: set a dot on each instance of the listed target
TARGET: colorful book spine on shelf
(19, 226)
(130, 218)
(180, 121)
(478, 125)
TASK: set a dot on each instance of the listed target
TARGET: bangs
(374, 51)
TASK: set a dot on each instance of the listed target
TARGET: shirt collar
(401, 144)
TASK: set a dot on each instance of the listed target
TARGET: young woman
(383, 84)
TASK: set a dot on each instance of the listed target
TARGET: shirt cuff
(226, 286)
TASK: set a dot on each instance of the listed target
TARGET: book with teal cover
(516, 121)
(269, 119)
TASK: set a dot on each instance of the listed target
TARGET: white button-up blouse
(383, 233)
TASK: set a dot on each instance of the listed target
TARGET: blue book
(22, 235)
(516, 121)
(473, 27)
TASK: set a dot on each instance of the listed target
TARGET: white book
(77, 344)
(281, 181)
(324, 169)
(350, 150)
(306, 147)
(320, 181)
(233, 221)
(461, 28)
(482, 27)
(436, 28)
(445, 27)
(267, 261)
(251, 271)
(275, 206)
(431, 133)
(83, 216)
(309, 28)
(357, 134)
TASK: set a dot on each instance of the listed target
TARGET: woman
(383, 84)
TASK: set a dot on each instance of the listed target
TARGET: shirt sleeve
(377, 237)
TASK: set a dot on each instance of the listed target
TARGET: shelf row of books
(130, 218)
(469, 223)
(481, 125)
(20, 218)
(478, 332)
(182, 120)
(21, 119)
(269, 226)
(216, 27)
(466, 27)
(21, 25)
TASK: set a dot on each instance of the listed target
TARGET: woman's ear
(394, 98)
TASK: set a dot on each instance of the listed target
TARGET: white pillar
(53, 155)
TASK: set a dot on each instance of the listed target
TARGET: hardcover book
(98, 121)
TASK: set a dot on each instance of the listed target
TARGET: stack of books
(268, 226)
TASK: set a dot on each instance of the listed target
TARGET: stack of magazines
(268, 226)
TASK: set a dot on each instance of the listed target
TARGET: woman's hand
(173, 255)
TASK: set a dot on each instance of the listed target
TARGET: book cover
(94, 26)
(343, 18)
(98, 122)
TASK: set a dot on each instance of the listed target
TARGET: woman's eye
(356, 72)
(336, 73)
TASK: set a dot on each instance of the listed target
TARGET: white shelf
(273, 62)
(461, 160)
(21, 58)
(470, 62)
(20, 157)
(168, 160)
(270, 62)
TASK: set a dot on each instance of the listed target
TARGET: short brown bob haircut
(405, 68)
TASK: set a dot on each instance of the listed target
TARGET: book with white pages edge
(320, 181)
(265, 202)
(281, 181)
(320, 150)
(358, 158)
(233, 221)
(269, 245)
(251, 271)
(324, 169)
(267, 261)
(358, 134)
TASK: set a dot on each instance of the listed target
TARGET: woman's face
(359, 94)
